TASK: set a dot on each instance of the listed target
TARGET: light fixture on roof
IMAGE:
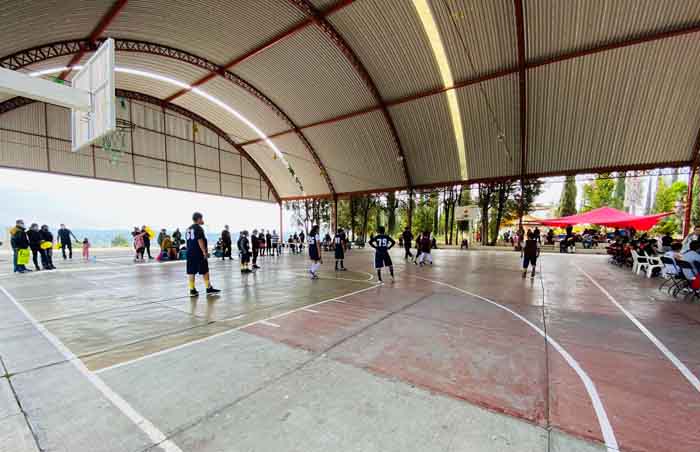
(433, 33)
(195, 90)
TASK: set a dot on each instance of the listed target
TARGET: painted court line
(310, 310)
(603, 420)
(238, 328)
(682, 368)
(266, 323)
(122, 405)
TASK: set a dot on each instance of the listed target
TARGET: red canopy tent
(607, 216)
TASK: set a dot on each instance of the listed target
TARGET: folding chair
(671, 275)
(689, 273)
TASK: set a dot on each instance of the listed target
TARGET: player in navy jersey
(339, 246)
(314, 252)
(382, 243)
(197, 255)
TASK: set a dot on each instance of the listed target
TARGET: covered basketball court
(282, 100)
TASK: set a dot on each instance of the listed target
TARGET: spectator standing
(64, 236)
(226, 243)
(86, 249)
(146, 241)
(34, 237)
(407, 238)
(255, 245)
(20, 243)
(47, 245)
(268, 242)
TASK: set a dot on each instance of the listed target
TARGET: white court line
(692, 379)
(238, 328)
(266, 323)
(603, 421)
(334, 279)
(310, 310)
(122, 405)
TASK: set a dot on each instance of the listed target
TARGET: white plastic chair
(652, 263)
(638, 262)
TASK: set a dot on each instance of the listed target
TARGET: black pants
(42, 253)
(148, 248)
(68, 245)
(255, 256)
(226, 250)
(408, 251)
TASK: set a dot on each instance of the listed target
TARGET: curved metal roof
(352, 93)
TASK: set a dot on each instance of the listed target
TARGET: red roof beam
(261, 48)
(105, 22)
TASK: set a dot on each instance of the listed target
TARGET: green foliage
(618, 201)
(668, 196)
(598, 193)
(695, 208)
(671, 225)
(120, 241)
(567, 202)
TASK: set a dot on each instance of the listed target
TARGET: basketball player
(382, 243)
(197, 255)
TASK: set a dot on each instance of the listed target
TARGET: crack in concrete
(21, 408)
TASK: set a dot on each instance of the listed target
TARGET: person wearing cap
(34, 237)
(197, 255)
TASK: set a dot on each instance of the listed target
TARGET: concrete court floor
(111, 356)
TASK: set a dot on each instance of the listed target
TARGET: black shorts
(313, 254)
(196, 265)
(339, 252)
(382, 259)
(527, 260)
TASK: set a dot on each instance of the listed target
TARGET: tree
(668, 196)
(119, 241)
(486, 198)
(598, 193)
(618, 201)
(392, 204)
(529, 190)
(695, 208)
(503, 192)
(567, 202)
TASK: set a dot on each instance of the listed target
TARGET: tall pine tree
(618, 201)
(567, 202)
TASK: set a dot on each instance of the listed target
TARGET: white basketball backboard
(97, 78)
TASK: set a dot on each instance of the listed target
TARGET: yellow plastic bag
(57, 246)
(150, 232)
(46, 245)
(23, 256)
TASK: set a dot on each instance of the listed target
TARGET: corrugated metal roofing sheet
(246, 104)
(487, 28)
(303, 163)
(219, 30)
(624, 107)
(388, 38)
(275, 170)
(28, 24)
(425, 129)
(361, 153)
(308, 77)
(554, 27)
(489, 110)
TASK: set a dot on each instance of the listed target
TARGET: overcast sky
(87, 203)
